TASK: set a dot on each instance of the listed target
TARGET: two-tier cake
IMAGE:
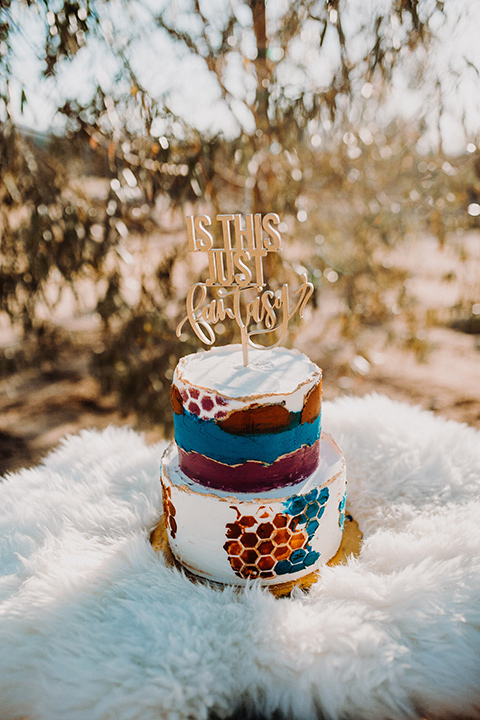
(252, 488)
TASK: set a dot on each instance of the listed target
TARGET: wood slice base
(349, 547)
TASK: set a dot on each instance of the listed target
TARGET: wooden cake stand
(350, 547)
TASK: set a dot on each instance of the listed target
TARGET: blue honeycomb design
(341, 509)
(306, 511)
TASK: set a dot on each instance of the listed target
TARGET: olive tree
(246, 105)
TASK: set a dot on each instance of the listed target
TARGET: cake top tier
(272, 375)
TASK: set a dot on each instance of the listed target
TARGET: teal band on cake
(207, 438)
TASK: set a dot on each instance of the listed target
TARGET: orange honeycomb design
(266, 544)
(169, 510)
(258, 543)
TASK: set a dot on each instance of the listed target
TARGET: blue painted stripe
(207, 438)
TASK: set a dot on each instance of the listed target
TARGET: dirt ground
(39, 406)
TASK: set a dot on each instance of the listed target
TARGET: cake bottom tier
(275, 536)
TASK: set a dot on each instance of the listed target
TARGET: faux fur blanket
(95, 626)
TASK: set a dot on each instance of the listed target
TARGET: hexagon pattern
(341, 510)
(169, 510)
(266, 544)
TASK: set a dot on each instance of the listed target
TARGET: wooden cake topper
(236, 269)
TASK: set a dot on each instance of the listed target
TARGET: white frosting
(272, 375)
(201, 516)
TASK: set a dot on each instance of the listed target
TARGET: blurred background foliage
(303, 122)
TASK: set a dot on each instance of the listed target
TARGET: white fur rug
(94, 625)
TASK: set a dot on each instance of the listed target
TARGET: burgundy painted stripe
(251, 476)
